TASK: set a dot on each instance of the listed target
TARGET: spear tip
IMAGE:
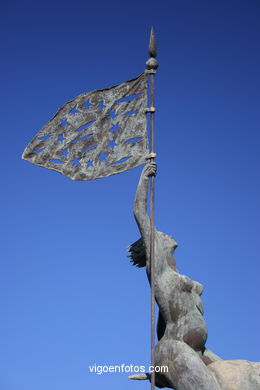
(152, 44)
(152, 64)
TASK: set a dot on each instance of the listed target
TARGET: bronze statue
(104, 132)
(181, 329)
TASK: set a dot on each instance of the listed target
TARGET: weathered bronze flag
(97, 134)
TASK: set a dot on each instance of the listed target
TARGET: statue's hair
(137, 253)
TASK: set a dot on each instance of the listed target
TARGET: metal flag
(97, 134)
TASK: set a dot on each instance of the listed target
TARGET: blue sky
(69, 297)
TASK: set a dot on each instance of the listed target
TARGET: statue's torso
(178, 298)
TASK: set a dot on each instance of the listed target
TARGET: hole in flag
(132, 140)
(87, 104)
(128, 98)
(103, 156)
(53, 160)
(61, 138)
(131, 112)
(115, 127)
(121, 161)
(90, 163)
(38, 150)
(111, 144)
(89, 148)
(101, 104)
(73, 110)
(64, 122)
(83, 127)
(45, 136)
(112, 113)
(75, 161)
(64, 152)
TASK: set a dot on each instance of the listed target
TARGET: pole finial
(152, 64)
(152, 44)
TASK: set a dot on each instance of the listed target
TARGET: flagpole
(152, 65)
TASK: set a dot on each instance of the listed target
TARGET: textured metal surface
(152, 44)
(97, 134)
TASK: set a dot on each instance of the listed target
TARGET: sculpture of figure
(181, 329)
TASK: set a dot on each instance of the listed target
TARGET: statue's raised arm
(140, 206)
(164, 244)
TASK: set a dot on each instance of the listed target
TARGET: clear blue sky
(69, 297)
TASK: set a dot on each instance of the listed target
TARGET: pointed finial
(152, 64)
(152, 44)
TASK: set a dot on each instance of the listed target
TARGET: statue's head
(137, 251)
